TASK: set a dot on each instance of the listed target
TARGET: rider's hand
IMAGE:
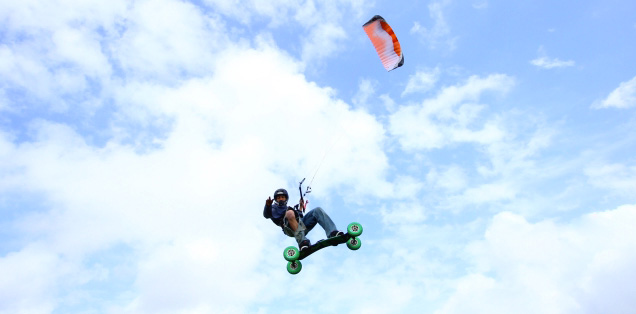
(269, 201)
(302, 204)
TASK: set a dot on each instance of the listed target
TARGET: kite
(385, 42)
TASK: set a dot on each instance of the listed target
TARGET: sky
(493, 173)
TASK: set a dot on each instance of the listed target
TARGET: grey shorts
(288, 230)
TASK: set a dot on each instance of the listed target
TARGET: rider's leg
(291, 219)
(294, 229)
(319, 216)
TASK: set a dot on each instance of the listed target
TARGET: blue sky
(493, 172)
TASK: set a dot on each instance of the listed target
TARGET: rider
(292, 221)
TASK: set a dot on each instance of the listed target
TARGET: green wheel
(291, 253)
(294, 267)
(354, 229)
(354, 243)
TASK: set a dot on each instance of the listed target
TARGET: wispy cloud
(323, 41)
(451, 178)
(444, 119)
(551, 63)
(545, 62)
(422, 81)
(518, 258)
(366, 89)
(439, 34)
(619, 178)
(624, 96)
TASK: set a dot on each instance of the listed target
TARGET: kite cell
(385, 42)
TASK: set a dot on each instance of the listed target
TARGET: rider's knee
(290, 215)
(319, 210)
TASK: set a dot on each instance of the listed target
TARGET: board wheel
(294, 267)
(291, 253)
(354, 229)
(354, 243)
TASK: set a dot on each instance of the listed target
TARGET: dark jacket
(276, 213)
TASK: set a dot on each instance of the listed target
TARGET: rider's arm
(267, 211)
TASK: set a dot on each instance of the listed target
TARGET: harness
(287, 229)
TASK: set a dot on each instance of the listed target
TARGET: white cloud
(452, 178)
(23, 71)
(28, 277)
(321, 23)
(448, 117)
(246, 11)
(323, 41)
(550, 63)
(510, 167)
(82, 47)
(421, 81)
(78, 52)
(616, 177)
(324, 24)
(366, 89)
(624, 96)
(439, 33)
(388, 102)
(179, 202)
(63, 51)
(228, 138)
(545, 62)
(503, 170)
(550, 267)
(516, 154)
(38, 17)
(280, 12)
(167, 40)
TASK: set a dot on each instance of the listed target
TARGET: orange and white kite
(385, 42)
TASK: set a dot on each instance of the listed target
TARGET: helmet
(281, 192)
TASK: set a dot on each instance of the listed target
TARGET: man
(292, 221)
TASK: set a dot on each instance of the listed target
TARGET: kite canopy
(385, 42)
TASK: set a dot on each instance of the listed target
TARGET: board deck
(323, 244)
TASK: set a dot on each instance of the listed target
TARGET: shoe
(336, 233)
(304, 245)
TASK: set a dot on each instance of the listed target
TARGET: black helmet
(281, 192)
